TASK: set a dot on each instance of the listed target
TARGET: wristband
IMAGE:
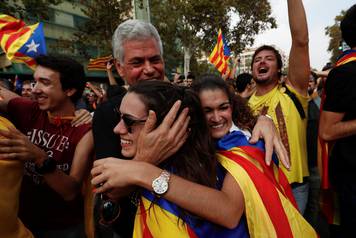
(266, 115)
(48, 166)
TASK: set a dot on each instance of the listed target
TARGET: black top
(312, 133)
(107, 144)
(341, 98)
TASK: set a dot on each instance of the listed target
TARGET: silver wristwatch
(160, 184)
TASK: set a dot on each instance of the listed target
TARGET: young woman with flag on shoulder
(194, 187)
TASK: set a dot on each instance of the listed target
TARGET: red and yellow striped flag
(220, 55)
(99, 64)
(21, 43)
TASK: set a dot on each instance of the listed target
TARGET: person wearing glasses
(193, 188)
(138, 55)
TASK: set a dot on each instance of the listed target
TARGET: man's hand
(82, 117)
(15, 145)
(155, 145)
(266, 130)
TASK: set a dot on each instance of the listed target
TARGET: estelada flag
(220, 55)
(99, 63)
(21, 43)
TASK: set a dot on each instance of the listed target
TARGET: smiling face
(48, 91)
(265, 67)
(133, 108)
(26, 90)
(142, 61)
(217, 110)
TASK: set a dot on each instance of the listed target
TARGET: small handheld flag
(220, 55)
(21, 43)
(99, 64)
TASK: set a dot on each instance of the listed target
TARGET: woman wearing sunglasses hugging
(192, 193)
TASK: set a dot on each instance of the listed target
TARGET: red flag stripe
(268, 194)
(216, 55)
(345, 58)
(281, 181)
(10, 27)
(15, 36)
(146, 233)
(191, 233)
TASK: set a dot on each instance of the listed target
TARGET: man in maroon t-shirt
(56, 155)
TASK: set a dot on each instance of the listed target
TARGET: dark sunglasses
(129, 121)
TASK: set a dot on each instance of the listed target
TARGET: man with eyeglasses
(138, 53)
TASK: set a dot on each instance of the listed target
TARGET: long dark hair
(195, 160)
(241, 113)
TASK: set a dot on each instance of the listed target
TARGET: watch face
(160, 185)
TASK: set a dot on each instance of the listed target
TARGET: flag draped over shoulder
(270, 207)
(157, 217)
(21, 43)
(220, 55)
(98, 64)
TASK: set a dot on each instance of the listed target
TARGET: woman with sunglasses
(190, 174)
(194, 166)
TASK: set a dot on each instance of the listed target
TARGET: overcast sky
(320, 13)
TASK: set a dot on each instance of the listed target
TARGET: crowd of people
(191, 157)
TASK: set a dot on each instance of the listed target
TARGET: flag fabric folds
(98, 64)
(21, 43)
(220, 55)
(161, 218)
(270, 207)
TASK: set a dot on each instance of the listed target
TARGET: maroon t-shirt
(40, 206)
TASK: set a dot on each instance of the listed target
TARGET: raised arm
(109, 66)
(299, 66)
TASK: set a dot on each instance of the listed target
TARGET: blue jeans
(301, 193)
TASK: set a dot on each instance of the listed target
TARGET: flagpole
(141, 10)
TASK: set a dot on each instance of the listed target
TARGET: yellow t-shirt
(11, 176)
(291, 127)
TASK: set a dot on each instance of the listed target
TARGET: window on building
(79, 21)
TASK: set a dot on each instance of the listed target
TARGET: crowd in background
(238, 155)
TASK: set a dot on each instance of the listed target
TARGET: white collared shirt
(245, 132)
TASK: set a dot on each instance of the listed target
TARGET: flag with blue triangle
(21, 43)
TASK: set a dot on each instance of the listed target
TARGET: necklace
(59, 120)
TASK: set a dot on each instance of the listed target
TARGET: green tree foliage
(27, 9)
(335, 37)
(195, 24)
(97, 31)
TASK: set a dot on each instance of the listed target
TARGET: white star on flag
(32, 47)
